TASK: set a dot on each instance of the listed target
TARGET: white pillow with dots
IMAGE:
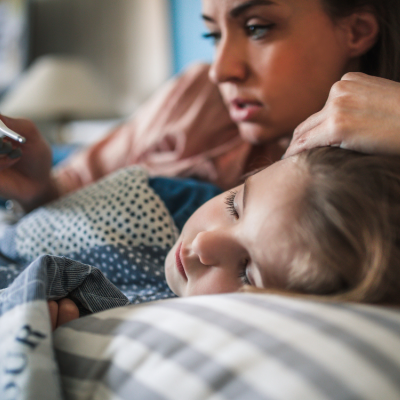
(119, 209)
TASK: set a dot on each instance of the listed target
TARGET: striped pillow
(232, 346)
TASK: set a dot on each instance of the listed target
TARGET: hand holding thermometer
(6, 131)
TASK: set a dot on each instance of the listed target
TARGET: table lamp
(57, 89)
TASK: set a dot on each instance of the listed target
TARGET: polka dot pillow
(118, 224)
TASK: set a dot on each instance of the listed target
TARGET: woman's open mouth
(179, 263)
(242, 110)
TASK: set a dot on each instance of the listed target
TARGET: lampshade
(58, 88)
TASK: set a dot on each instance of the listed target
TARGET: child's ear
(362, 30)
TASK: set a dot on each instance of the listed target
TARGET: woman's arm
(182, 130)
(362, 114)
(182, 120)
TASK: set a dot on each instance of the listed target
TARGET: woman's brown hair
(383, 59)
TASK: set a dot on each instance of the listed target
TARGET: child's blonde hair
(348, 227)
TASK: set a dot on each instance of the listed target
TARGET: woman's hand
(62, 311)
(25, 168)
(362, 114)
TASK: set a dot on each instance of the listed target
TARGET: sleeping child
(325, 223)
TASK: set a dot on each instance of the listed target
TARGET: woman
(276, 64)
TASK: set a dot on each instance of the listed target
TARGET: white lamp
(58, 88)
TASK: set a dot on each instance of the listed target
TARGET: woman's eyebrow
(240, 9)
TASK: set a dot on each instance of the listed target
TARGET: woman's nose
(229, 64)
(214, 248)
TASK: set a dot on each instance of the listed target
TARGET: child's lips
(179, 263)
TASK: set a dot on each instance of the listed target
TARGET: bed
(231, 346)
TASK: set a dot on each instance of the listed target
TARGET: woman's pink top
(183, 130)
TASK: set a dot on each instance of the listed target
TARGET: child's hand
(362, 113)
(62, 311)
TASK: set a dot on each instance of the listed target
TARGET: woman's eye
(257, 32)
(213, 36)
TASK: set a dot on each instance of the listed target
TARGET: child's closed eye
(230, 203)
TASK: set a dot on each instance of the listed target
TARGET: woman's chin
(255, 133)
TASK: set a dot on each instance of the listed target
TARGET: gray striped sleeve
(218, 378)
(237, 346)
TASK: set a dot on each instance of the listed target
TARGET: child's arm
(62, 311)
(362, 114)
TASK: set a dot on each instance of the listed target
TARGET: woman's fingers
(307, 135)
(310, 123)
(15, 153)
(22, 126)
(7, 162)
(328, 126)
(25, 169)
(7, 148)
(362, 113)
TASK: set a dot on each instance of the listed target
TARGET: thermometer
(6, 131)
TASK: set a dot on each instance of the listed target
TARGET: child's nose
(214, 248)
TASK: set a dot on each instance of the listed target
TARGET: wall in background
(128, 41)
(135, 44)
(187, 30)
(13, 43)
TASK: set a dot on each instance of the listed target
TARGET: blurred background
(78, 67)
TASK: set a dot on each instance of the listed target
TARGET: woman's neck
(266, 154)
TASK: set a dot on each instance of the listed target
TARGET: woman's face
(275, 61)
(240, 237)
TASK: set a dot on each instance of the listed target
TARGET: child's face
(275, 61)
(239, 237)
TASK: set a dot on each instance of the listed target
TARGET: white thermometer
(6, 131)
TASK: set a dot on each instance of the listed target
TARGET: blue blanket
(119, 225)
(112, 236)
